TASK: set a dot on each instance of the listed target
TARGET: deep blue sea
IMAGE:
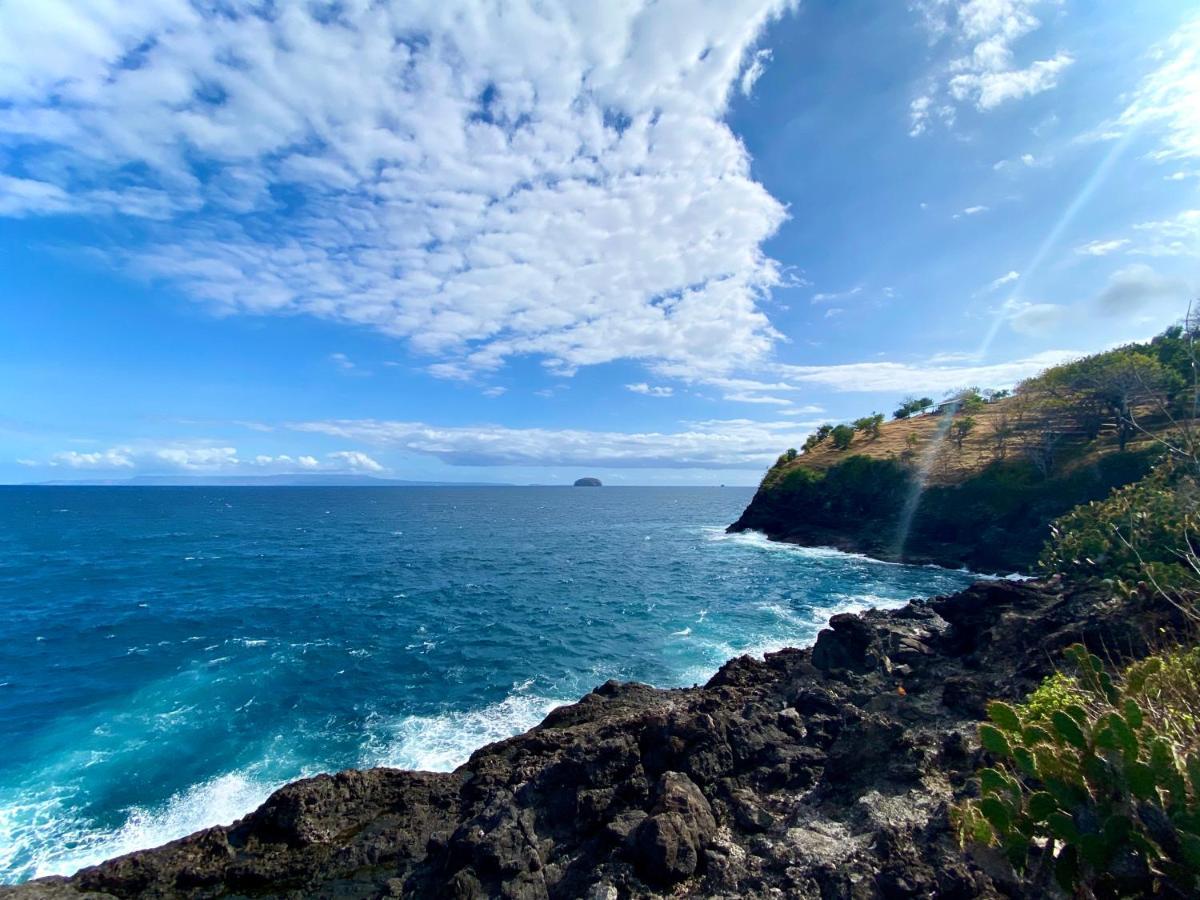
(169, 656)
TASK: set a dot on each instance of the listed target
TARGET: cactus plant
(1097, 777)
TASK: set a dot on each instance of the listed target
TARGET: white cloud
(990, 89)
(983, 71)
(1177, 236)
(355, 461)
(1024, 161)
(974, 210)
(495, 391)
(113, 458)
(650, 390)
(342, 361)
(1168, 98)
(715, 444)
(200, 459)
(830, 296)
(996, 283)
(754, 71)
(895, 377)
(1101, 248)
(533, 178)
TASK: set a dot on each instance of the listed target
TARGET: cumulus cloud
(888, 377)
(113, 458)
(482, 181)
(650, 390)
(200, 459)
(355, 461)
(983, 71)
(712, 444)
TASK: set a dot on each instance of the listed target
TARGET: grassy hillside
(977, 480)
(926, 440)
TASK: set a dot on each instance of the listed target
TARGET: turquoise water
(171, 655)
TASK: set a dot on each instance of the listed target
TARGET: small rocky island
(587, 482)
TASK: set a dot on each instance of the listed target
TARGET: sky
(655, 242)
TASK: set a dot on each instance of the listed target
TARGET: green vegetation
(816, 438)
(961, 428)
(1097, 779)
(868, 425)
(910, 406)
(1143, 535)
(842, 436)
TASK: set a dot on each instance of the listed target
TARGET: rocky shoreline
(822, 772)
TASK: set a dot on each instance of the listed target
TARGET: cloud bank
(483, 180)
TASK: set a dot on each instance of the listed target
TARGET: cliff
(989, 518)
(823, 772)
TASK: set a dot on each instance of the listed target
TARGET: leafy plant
(842, 436)
(1146, 533)
(869, 425)
(1097, 780)
(912, 405)
(961, 428)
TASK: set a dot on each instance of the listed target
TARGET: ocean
(169, 656)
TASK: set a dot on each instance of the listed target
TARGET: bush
(869, 425)
(842, 437)
(1097, 779)
(1143, 533)
(912, 405)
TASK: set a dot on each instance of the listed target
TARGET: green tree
(961, 428)
(912, 405)
(869, 425)
(842, 436)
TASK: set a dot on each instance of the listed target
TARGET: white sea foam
(440, 743)
(38, 837)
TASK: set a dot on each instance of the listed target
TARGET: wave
(760, 541)
(38, 837)
(443, 742)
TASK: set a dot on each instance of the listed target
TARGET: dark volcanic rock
(824, 773)
(587, 482)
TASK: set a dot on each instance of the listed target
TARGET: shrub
(912, 405)
(1143, 533)
(842, 436)
(1098, 779)
(869, 425)
(962, 427)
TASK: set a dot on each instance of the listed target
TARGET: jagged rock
(806, 774)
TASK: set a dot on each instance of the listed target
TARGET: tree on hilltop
(869, 425)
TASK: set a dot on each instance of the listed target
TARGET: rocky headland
(821, 772)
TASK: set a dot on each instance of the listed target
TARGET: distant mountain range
(315, 480)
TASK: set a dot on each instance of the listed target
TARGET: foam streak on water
(171, 656)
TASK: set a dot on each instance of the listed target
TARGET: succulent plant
(1097, 788)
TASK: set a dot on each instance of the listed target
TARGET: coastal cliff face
(994, 520)
(824, 772)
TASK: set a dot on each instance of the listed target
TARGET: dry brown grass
(950, 465)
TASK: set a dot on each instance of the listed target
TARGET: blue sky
(654, 242)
